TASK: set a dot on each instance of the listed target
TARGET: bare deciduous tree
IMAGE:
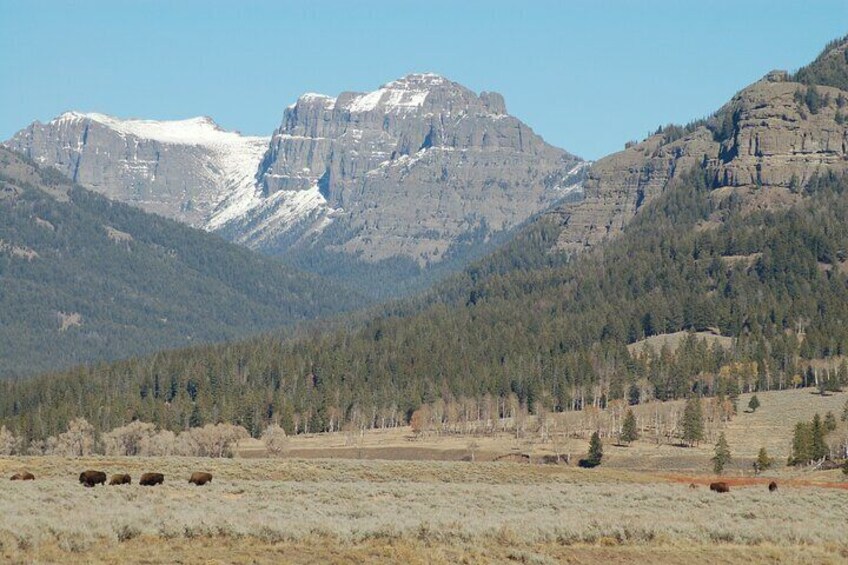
(160, 444)
(77, 441)
(212, 440)
(128, 440)
(10, 444)
(275, 440)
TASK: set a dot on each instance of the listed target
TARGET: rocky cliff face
(178, 169)
(617, 186)
(405, 171)
(408, 169)
(768, 141)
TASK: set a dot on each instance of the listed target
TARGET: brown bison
(151, 479)
(25, 476)
(720, 487)
(200, 478)
(122, 479)
(772, 486)
(90, 478)
(693, 486)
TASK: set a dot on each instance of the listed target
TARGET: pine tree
(754, 403)
(819, 447)
(596, 452)
(829, 422)
(693, 421)
(629, 432)
(722, 455)
(842, 374)
(763, 461)
(801, 444)
(195, 420)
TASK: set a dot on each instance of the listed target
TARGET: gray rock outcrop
(759, 148)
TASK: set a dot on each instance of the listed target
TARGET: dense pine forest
(83, 278)
(527, 322)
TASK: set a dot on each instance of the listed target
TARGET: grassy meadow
(402, 511)
(333, 499)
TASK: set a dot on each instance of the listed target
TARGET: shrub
(275, 440)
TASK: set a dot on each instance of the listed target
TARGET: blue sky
(586, 75)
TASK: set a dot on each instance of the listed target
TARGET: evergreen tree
(822, 385)
(842, 374)
(629, 432)
(763, 461)
(818, 447)
(596, 452)
(693, 421)
(195, 420)
(754, 403)
(722, 455)
(829, 422)
(801, 444)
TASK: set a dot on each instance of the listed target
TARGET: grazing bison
(772, 486)
(90, 478)
(693, 485)
(200, 478)
(720, 487)
(122, 479)
(25, 476)
(151, 479)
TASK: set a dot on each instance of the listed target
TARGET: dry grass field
(332, 499)
(673, 341)
(287, 510)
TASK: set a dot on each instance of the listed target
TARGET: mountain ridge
(415, 171)
(770, 139)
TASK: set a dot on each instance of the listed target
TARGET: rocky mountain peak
(423, 150)
(415, 93)
(407, 171)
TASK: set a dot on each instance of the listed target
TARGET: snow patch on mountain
(201, 130)
(389, 98)
(259, 219)
(231, 157)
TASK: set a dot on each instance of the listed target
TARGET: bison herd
(721, 486)
(92, 478)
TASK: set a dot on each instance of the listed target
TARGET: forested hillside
(551, 333)
(87, 279)
(763, 263)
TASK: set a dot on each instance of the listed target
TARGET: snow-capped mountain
(404, 171)
(180, 169)
(409, 170)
